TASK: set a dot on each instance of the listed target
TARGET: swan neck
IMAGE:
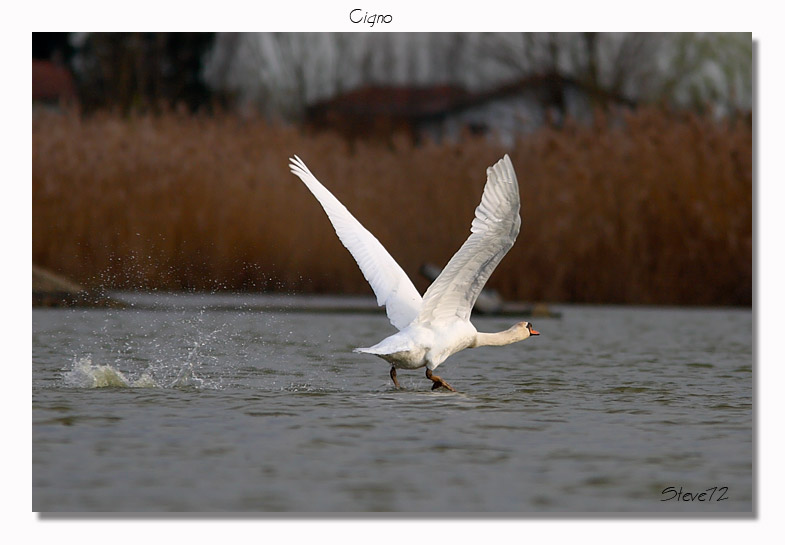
(501, 338)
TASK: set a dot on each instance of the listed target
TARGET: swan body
(437, 325)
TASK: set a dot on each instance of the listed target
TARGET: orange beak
(534, 331)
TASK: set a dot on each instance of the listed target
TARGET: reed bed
(645, 207)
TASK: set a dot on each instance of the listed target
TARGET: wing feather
(392, 286)
(495, 226)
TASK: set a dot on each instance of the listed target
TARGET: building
(52, 84)
(446, 111)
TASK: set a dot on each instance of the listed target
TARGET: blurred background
(160, 159)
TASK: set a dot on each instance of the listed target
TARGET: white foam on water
(145, 381)
(85, 374)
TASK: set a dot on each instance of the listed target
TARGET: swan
(435, 326)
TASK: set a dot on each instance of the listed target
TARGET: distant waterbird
(435, 326)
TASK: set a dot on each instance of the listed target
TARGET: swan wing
(496, 224)
(392, 286)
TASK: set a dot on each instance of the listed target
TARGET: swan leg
(394, 376)
(437, 381)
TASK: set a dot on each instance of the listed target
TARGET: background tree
(282, 73)
(144, 71)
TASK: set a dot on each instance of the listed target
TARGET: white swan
(436, 326)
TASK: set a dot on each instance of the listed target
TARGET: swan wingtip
(296, 165)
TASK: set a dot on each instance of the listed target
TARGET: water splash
(155, 356)
(85, 374)
(187, 378)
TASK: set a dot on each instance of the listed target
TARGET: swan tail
(371, 350)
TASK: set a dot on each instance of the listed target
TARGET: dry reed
(652, 208)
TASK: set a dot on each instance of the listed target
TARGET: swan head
(527, 329)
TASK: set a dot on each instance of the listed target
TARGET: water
(193, 408)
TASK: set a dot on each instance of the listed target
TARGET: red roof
(52, 82)
(399, 101)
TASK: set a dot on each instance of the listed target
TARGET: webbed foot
(437, 381)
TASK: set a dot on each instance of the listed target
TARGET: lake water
(190, 405)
